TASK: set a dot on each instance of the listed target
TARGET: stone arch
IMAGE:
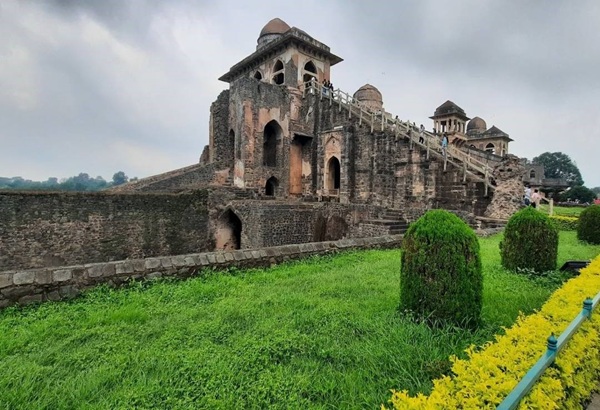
(310, 71)
(333, 174)
(272, 137)
(532, 174)
(490, 148)
(258, 75)
(278, 76)
(271, 186)
(228, 234)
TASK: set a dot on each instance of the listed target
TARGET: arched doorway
(271, 186)
(271, 141)
(490, 148)
(228, 235)
(333, 175)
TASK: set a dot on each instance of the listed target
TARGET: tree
(120, 178)
(578, 194)
(596, 190)
(559, 165)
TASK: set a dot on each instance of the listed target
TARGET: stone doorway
(228, 235)
(299, 153)
(272, 136)
(333, 176)
(271, 186)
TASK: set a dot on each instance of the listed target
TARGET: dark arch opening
(333, 173)
(310, 67)
(258, 75)
(271, 186)
(490, 148)
(228, 235)
(311, 72)
(532, 173)
(272, 139)
(278, 77)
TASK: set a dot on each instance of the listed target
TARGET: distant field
(322, 333)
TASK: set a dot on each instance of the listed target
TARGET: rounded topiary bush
(530, 242)
(588, 228)
(441, 278)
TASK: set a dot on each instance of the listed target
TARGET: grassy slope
(316, 334)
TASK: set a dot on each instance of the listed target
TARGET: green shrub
(565, 223)
(588, 228)
(530, 242)
(441, 278)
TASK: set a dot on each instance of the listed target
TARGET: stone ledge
(64, 282)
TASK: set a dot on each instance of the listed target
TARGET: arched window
(271, 186)
(278, 77)
(333, 174)
(258, 75)
(271, 141)
(490, 148)
(532, 173)
(310, 71)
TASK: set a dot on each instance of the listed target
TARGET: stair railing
(379, 119)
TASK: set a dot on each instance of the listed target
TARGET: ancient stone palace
(290, 160)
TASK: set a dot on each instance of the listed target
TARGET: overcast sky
(101, 86)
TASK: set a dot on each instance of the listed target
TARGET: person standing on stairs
(421, 132)
(444, 144)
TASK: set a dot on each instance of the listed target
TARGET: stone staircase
(391, 221)
(473, 168)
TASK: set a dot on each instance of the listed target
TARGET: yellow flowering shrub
(565, 223)
(491, 372)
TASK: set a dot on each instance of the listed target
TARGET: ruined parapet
(508, 195)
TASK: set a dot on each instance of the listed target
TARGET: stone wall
(38, 285)
(272, 223)
(53, 229)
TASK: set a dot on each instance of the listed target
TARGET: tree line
(560, 165)
(81, 182)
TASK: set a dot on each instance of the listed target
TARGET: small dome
(476, 124)
(275, 26)
(369, 96)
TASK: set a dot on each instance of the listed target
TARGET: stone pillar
(508, 195)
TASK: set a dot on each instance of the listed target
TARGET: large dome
(369, 96)
(476, 124)
(275, 26)
(271, 31)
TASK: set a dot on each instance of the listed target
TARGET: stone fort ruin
(289, 161)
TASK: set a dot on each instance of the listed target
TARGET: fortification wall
(38, 285)
(53, 229)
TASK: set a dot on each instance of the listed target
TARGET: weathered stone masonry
(53, 229)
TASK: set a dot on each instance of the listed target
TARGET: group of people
(530, 199)
(327, 86)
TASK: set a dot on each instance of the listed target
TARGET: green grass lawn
(562, 210)
(321, 333)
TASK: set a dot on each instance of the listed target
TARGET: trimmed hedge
(588, 228)
(565, 223)
(490, 373)
(530, 242)
(441, 276)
